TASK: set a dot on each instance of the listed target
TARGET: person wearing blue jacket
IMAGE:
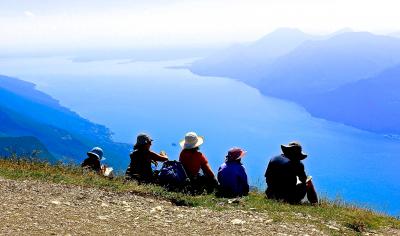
(232, 175)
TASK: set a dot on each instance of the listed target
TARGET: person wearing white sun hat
(193, 161)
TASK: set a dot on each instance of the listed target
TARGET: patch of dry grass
(348, 216)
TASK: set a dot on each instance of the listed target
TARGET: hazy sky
(145, 23)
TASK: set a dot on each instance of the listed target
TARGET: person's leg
(203, 183)
(299, 192)
(269, 193)
(311, 193)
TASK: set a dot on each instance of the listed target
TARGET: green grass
(353, 219)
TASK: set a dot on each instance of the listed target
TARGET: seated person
(286, 178)
(92, 162)
(232, 175)
(142, 158)
(193, 161)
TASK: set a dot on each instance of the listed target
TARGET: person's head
(143, 141)
(97, 153)
(293, 151)
(235, 155)
(191, 141)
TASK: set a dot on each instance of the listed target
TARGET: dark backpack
(173, 176)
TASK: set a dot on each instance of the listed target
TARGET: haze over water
(131, 97)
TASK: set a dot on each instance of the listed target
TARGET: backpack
(173, 176)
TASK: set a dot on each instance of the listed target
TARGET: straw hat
(192, 140)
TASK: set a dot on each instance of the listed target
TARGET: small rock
(102, 217)
(333, 227)
(155, 209)
(234, 201)
(104, 204)
(237, 221)
(55, 202)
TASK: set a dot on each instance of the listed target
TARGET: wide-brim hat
(235, 154)
(191, 140)
(143, 139)
(294, 150)
(97, 152)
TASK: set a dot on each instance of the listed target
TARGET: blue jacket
(232, 178)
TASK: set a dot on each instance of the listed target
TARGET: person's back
(140, 166)
(232, 175)
(193, 161)
(281, 176)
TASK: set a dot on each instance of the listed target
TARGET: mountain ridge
(26, 111)
(316, 67)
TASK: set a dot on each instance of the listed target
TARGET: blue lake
(131, 97)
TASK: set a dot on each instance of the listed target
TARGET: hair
(228, 160)
(195, 149)
(137, 147)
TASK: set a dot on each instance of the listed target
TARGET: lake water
(358, 166)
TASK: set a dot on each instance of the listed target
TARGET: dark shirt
(92, 163)
(232, 178)
(140, 166)
(281, 176)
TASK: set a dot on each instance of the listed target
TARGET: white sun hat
(192, 140)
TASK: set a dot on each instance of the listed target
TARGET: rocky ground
(38, 208)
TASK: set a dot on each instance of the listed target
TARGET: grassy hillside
(353, 219)
(26, 111)
(24, 146)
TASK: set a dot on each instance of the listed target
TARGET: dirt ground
(37, 208)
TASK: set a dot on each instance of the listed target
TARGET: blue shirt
(233, 179)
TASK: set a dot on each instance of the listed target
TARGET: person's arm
(206, 168)
(268, 175)
(96, 165)
(158, 157)
(301, 173)
(84, 163)
(243, 179)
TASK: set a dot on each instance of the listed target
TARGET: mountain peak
(284, 33)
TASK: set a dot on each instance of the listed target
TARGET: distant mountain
(371, 104)
(27, 146)
(323, 65)
(315, 71)
(25, 111)
(395, 34)
(60, 142)
(245, 62)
